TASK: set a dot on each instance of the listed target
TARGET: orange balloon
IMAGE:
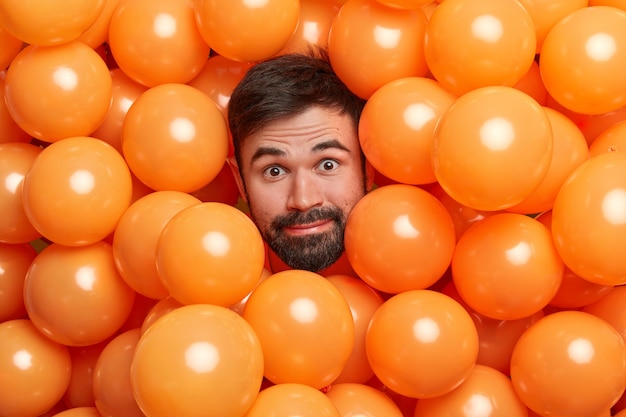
(76, 191)
(290, 399)
(98, 33)
(49, 22)
(75, 81)
(80, 389)
(477, 43)
(596, 86)
(174, 137)
(9, 130)
(14, 263)
(532, 84)
(589, 219)
(112, 391)
(213, 355)
(16, 159)
(292, 312)
(260, 30)
(316, 19)
(157, 41)
(162, 307)
(137, 234)
(422, 344)
(492, 147)
(610, 308)
(569, 363)
(35, 370)
(397, 128)
(370, 45)
(612, 139)
(210, 253)
(506, 266)
(363, 301)
(353, 400)
(96, 301)
(398, 238)
(9, 47)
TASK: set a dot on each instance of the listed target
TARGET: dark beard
(312, 252)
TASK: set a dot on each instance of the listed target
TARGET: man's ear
(234, 167)
(370, 172)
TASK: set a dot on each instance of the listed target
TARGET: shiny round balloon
(76, 191)
(174, 137)
(16, 159)
(9, 130)
(15, 259)
(112, 391)
(612, 139)
(96, 301)
(74, 79)
(422, 344)
(97, 34)
(590, 40)
(49, 22)
(9, 47)
(35, 370)
(363, 301)
(569, 150)
(610, 309)
(370, 44)
(260, 30)
(569, 363)
(398, 238)
(354, 400)
(316, 18)
(291, 399)
(291, 312)
(492, 147)
(477, 43)
(210, 253)
(397, 128)
(205, 349)
(137, 234)
(589, 219)
(157, 41)
(506, 266)
(79, 392)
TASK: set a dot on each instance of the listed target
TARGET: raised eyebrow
(266, 150)
(330, 144)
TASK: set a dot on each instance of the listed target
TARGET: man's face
(301, 176)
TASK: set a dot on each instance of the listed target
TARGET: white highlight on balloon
(614, 206)
(86, 277)
(23, 360)
(600, 47)
(82, 181)
(519, 254)
(202, 357)
(164, 25)
(182, 130)
(580, 351)
(65, 78)
(387, 38)
(12, 181)
(426, 330)
(497, 134)
(478, 405)
(304, 310)
(216, 243)
(402, 227)
(255, 4)
(487, 28)
(417, 115)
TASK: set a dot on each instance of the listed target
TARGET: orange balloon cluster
(483, 275)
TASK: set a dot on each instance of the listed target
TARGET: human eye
(274, 171)
(328, 165)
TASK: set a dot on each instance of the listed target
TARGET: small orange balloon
(290, 399)
(353, 400)
(213, 355)
(15, 259)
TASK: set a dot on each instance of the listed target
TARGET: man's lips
(309, 228)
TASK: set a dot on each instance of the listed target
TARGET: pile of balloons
(483, 276)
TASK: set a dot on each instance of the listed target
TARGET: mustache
(310, 216)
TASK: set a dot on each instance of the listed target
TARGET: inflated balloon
(291, 399)
(569, 363)
(370, 44)
(477, 43)
(14, 263)
(596, 86)
(97, 34)
(353, 400)
(492, 147)
(174, 137)
(506, 266)
(9, 47)
(316, 18)
(589, 219)
(80, 389)
(398, 238)
(76, 191)
(75, 81)
(49, 22)
(16, 159)
(305, 327)
(213, 355)
(422, 344)
(612, 139)
(35, 370)
(137, 234)
(609, 308)
(397, 128)
(9, 130)
(96, 301)
(210, 253)
(157, 41)
(260, 30)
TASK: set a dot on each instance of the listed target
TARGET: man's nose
(305, 192)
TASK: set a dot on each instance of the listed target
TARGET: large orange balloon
(477, 43)
(213, 355)
(35, 370)
(76, 191)
(569, 363)
(353, 400)
(370, 45)
(174, 137)
(492, 147)
(398, 238)
(75, 81)
(260, 30)
(14, 263)
(305, 327)
(589, 39)
(422, 344)
(291, 399)
(397, 128)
